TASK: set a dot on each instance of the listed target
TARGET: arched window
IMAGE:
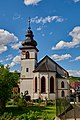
(43, 84)
(62, 84)
(27, 55)
(51, 85)
(62, 94)
(35, 84)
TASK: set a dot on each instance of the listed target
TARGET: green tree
(7, 81)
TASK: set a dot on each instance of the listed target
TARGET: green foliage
(7, 116)
(16, 98)
(29, 113)
(7, 81)
(21, 103)
(44, 116)
(51, 102)
(74, 79)
(23, 117)
(32, 115)
(61, 105)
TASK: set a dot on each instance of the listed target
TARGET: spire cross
(29, 23)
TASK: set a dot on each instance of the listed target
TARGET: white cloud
(16, 45)
(1, 61)
(75, 34)
(62, 57)
(6, 38)
(46, 19)
(3, 48)
(16, 60)
(43, 34)
(31, 2)
(76, 59)
(16, 17)
(76, 1)
(9, 57)
(39, 28)
(51, 33)
(75, 73)
(14, 71)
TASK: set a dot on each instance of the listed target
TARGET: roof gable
(49, 65)
(44, 65)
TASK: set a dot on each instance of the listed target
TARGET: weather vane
(29, 23)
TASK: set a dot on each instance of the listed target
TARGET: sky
(56, 28)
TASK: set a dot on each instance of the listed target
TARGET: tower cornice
(25, 48)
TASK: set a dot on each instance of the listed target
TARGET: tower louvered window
(27, 55)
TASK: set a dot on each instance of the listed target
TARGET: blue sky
(56, 28)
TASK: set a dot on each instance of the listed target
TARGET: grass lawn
(49, 111)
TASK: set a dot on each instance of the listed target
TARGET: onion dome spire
(29, 24)
(29, 37)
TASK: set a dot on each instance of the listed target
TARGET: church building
(44, 78)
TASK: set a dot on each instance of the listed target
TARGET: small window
(62, 84)
(51, 85)
(62, 94)
(27, 69)
(35, 84)
(43, 85)
(27, 55)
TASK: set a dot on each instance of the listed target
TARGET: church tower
(28, 62)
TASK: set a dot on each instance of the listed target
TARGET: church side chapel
(45, 79)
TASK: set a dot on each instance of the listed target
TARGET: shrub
(32, 115)
(6, 116)
(16, 98)
(21, 103)
(29, 116)
(10, 102)
(51, 102)
(44, 116)
(23, 117)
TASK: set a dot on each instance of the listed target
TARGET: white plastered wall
(66, 87)
(26, 78)
(47, 75)
(26, 85)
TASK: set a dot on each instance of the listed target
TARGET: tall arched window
(51, 85)
(27, 55)
(62, 84)
(62, 93)
(43, 85)
(35, 84)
